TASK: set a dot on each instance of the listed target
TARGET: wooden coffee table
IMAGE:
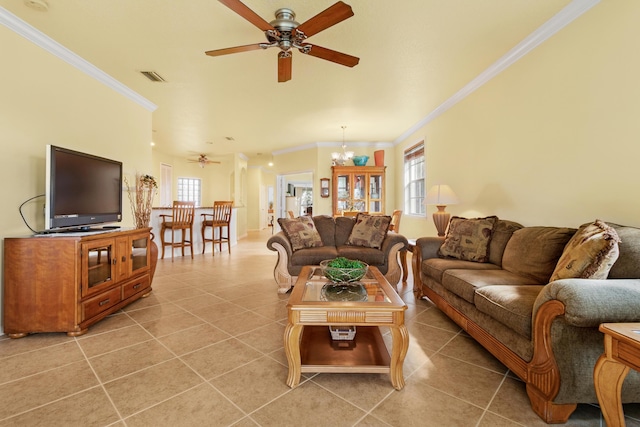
(307, 338)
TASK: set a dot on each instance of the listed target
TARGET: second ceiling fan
(287, 34)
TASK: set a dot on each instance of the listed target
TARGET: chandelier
(339, 159)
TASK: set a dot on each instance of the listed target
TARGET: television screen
(81, 189)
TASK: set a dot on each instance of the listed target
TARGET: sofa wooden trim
(541, 374)
(286, 281)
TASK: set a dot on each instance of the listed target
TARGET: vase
(379, 157)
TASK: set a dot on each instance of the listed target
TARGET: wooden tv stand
(66, 283)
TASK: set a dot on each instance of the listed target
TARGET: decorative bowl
(342, 274)
(360, 160)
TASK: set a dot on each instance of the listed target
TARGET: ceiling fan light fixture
(286, 34)
(285, 20)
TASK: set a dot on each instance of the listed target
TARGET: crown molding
(560, 20)
(40, 39)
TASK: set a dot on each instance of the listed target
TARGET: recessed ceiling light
(153, 144)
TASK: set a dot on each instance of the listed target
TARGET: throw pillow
(301, 232)
(589, 254)
(369, 231)
(468, 239)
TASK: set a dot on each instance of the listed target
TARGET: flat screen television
(81, 190)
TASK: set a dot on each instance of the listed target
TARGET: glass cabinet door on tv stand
(358, 189)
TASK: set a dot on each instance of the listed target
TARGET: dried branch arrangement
(141, 198)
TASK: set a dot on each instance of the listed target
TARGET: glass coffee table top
(319, 289)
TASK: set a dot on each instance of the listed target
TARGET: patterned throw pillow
(468, 239)
(301, 232)
(369, 231)
(590, 253)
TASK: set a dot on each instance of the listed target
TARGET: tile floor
(205, 349)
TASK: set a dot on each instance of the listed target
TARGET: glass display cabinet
(358, 189)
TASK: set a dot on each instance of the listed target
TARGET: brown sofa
(334, 233)
(545, 333)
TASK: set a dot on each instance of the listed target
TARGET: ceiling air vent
(153, 76)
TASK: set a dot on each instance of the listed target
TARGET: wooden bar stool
(180, 219)
(220, 219)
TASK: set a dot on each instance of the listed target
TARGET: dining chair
(181, 218)
(395, 221)
(219, 220)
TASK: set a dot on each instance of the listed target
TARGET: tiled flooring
(205, 349)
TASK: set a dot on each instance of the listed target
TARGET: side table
(403, 260)
(621, 352)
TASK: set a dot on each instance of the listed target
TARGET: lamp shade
(440, 195)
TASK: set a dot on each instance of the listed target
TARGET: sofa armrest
(281, 244)
(428, 246)
(281, 239)
(588, 302)
(391, 240)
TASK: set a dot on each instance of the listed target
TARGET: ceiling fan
(202, 161)
(287, 34)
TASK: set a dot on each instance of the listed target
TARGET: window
(189, 190)
(414, 180)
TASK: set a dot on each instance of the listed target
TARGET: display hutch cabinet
(358, 189)
(65, 283)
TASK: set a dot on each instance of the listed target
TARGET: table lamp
(441, 195)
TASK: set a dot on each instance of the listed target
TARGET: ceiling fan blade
(284, 67)
(325, 19)
(241, 9)
(237, 49)
(332, 55)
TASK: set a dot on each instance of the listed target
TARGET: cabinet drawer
(135, 286)
(101, 303)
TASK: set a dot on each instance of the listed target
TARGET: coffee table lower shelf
(367, 353)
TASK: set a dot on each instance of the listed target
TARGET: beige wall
(47, 101)
(552, 140)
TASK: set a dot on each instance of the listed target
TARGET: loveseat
(335, 235)
(545, 331)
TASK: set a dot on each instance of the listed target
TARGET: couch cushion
(590, 253)
(344, 225)
(499, 238)
(326, 227)
(627, 265)
(465, 283)
(510, 305)
(369, 231)
(369, 255)
(534, 251)
(435, 267)
(301, 232)
(468, 239)
(313, 256)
